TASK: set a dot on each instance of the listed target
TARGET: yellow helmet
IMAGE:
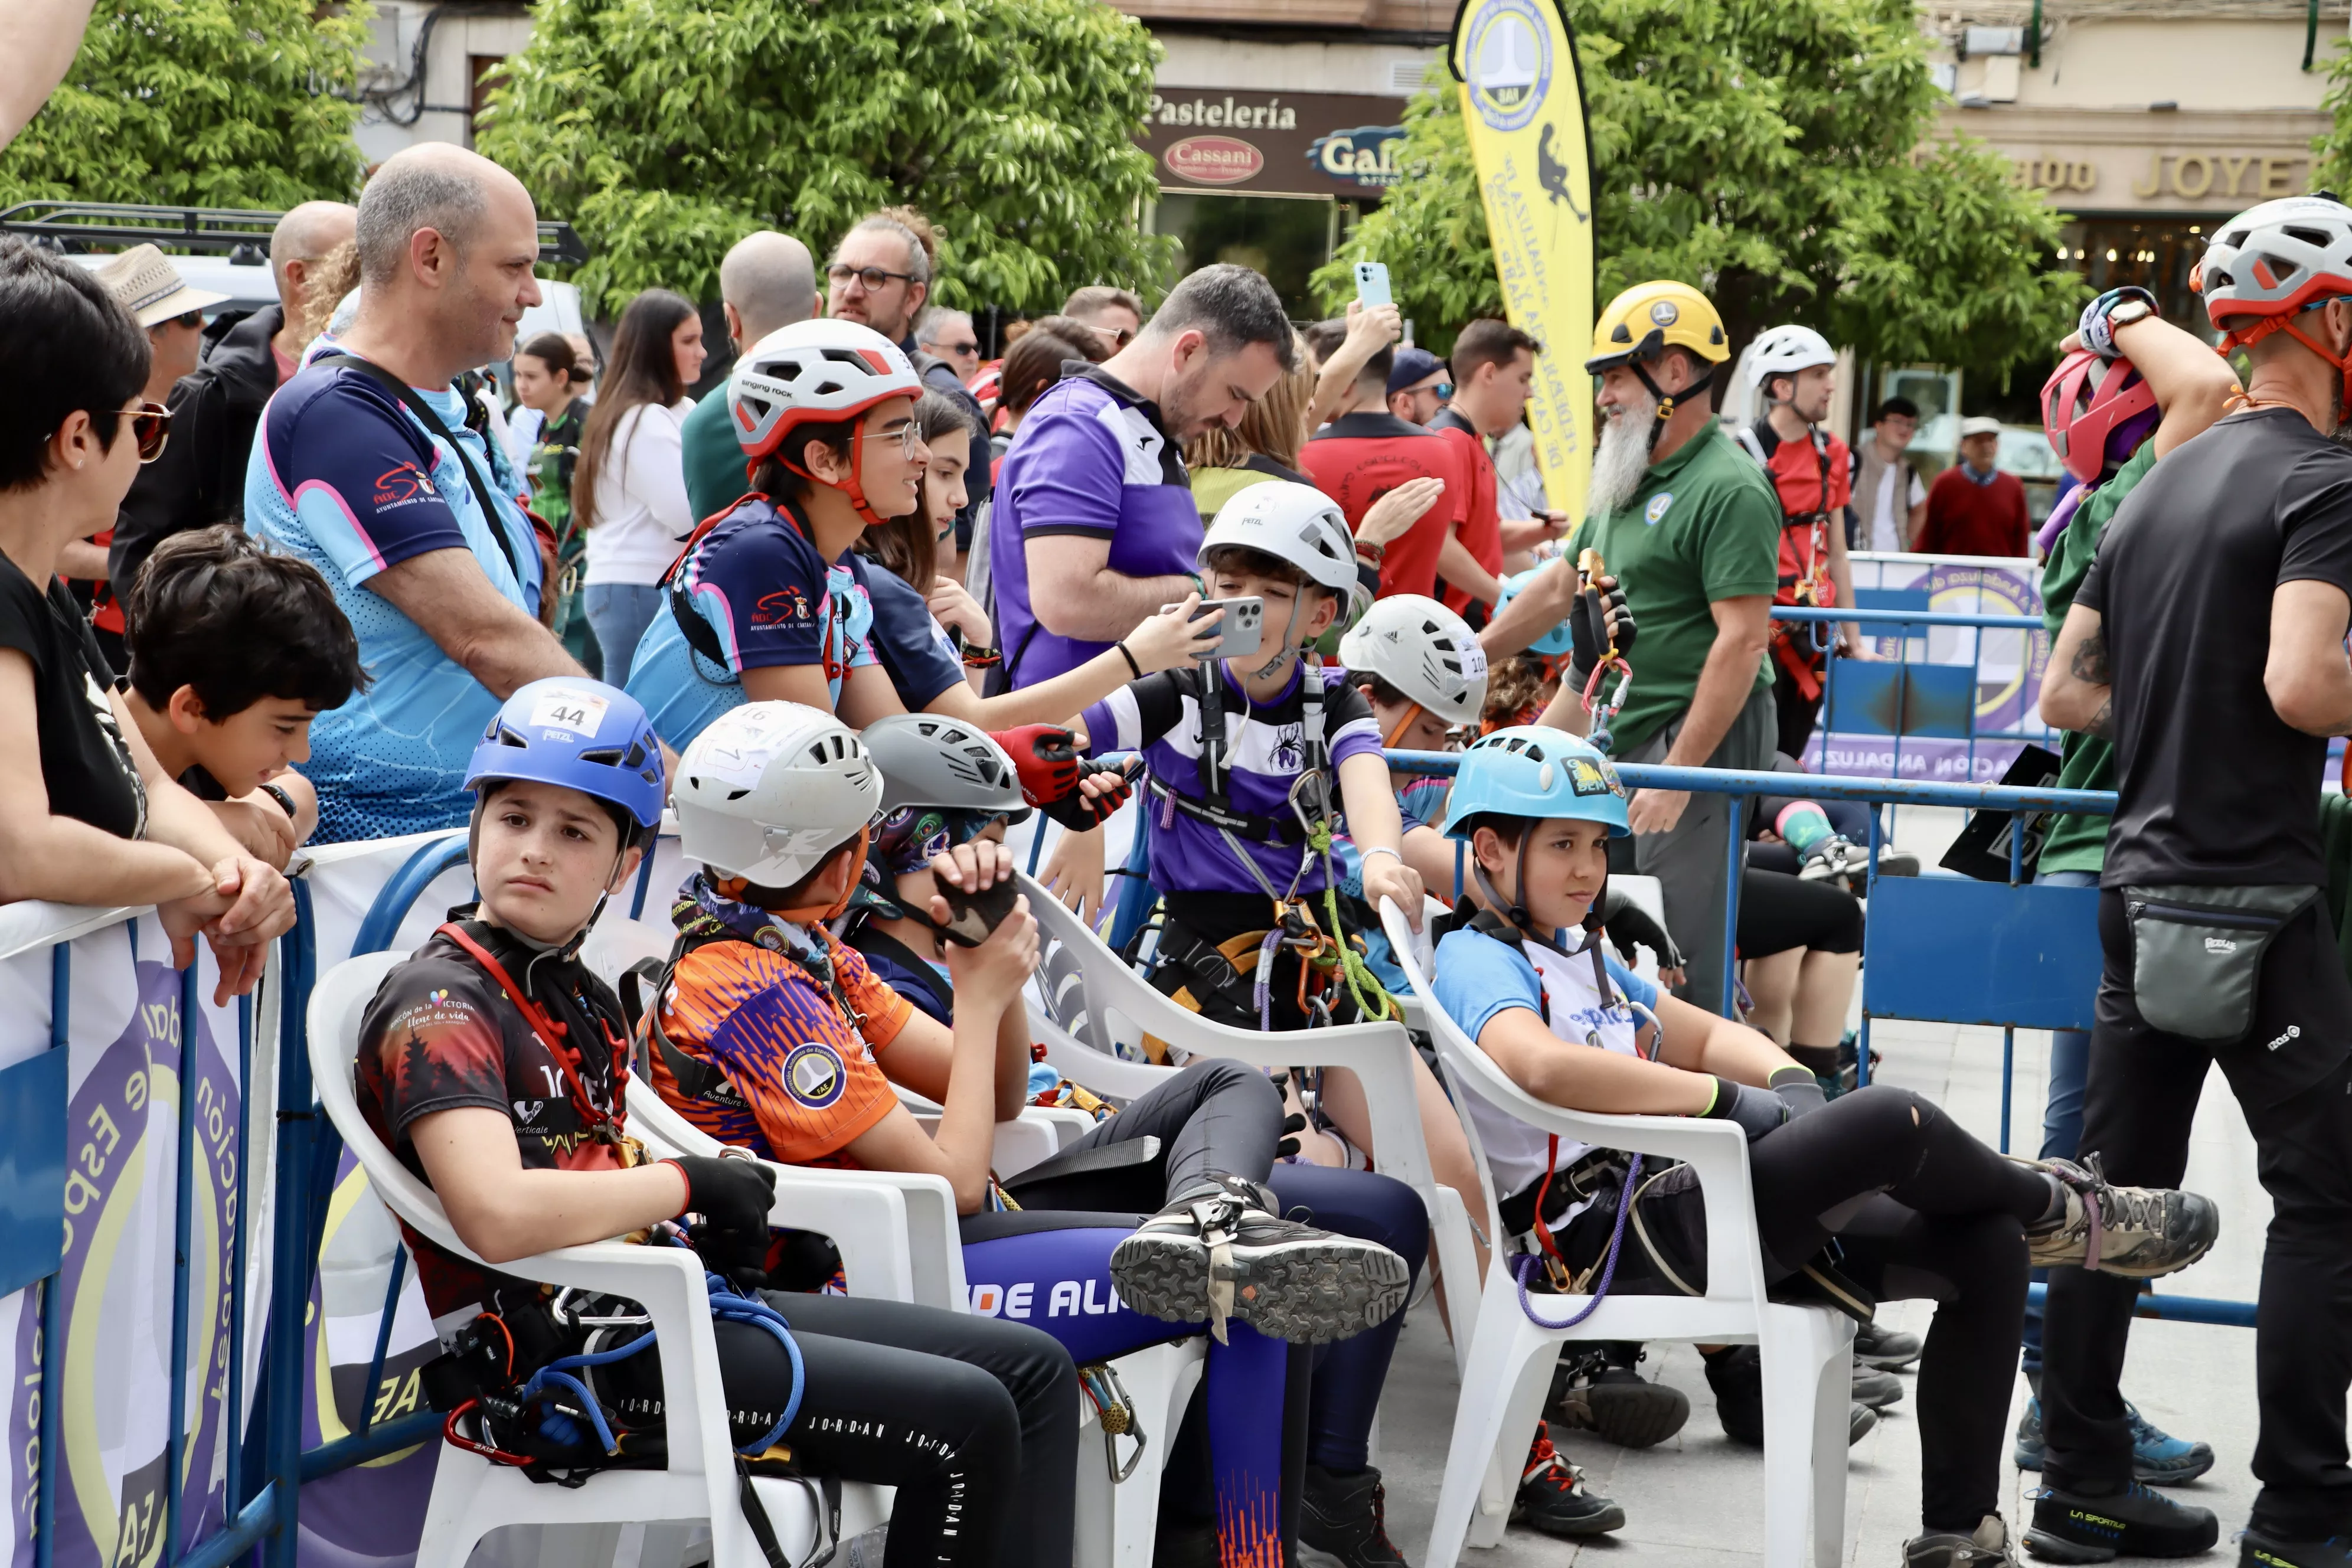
(1642, 322)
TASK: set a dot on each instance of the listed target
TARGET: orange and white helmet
(2272, 262)
(822, 371)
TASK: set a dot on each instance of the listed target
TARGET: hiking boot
(1877, 1389)
(2069, 1526)
(1875, 1344)
(2158, 1459)
(2138, 1233)
(1737, 1377)
(1616, 1403)
(1987, 1547)
(1343, 1521)
(1554, 1499)
(2256, 1550)
(1218, 1251)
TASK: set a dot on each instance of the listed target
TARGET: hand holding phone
(1244, 626)
(1373, 284)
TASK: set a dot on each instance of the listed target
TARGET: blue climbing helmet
(1531, 771)
(582, 734)
(1553, 644)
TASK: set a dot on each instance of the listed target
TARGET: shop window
(2157, 254)
(1285, 238)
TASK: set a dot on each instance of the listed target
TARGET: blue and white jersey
(349, 480)
(770, 602)
(1265, 750)
(1476, 977)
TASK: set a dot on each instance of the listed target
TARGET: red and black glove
(1046, 758)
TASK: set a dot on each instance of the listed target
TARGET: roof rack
(76, 226)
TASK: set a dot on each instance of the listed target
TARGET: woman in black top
(85, 815)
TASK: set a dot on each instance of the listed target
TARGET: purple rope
(1526, 1263)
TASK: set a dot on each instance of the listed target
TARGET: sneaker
(1877, 1389)
(2069, 1526)
(1219, 1251)
(1875, 1344)
(2158, 1459)
(1343, 1521)
(1897, 863)
(1987, 1547)
(1616, 1403)
(1834, 860)
(2138, 1233)
(2256, 1550)
(1737, 1377)
(1554, 1499)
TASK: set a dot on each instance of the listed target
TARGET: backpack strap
(434, 424)
(866, 937)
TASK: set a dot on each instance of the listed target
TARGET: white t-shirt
(1886, 520)
(1476, 977)
(642, 512)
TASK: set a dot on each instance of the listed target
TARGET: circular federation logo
(1665, 313)
(1508, 59)
(1657, 507)
(813, 1075)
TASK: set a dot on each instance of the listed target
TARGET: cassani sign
(1307, 144)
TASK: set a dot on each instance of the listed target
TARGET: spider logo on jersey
(1289, 754)
(813, 1075)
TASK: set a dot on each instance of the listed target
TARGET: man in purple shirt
(1095, 528)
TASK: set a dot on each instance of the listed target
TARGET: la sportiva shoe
(1737, 1377)
(1875, 1388)
(2158, 1459)
(2256, 1550)
(1875, 1344)
(2070, 1527)
(1553, 1497)
(1614, 1402)
(1343, 1521)
(1219, 1252)
(1986, 1547)
(2137, 1232)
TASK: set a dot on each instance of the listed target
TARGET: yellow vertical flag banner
(1524, 106)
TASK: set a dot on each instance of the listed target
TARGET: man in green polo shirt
(768, 281)
(1691, 528)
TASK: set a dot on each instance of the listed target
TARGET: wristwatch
(285, 802)
(2128, 311)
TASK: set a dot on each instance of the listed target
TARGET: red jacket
(1965, 518)
(1482, 525)
(1358, 457)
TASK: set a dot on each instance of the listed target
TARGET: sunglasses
(151, 427)
(958, 350)
(906, 435)
(873, 277)
(1119, 336)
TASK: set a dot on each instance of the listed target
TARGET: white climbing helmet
(1425, 651)
(770, 789)
(824, 371)
(1291, 522)
(1785, 351)
(2271, 261)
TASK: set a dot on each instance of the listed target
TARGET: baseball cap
(1412, 367)
(150, 288)
(1979, 424)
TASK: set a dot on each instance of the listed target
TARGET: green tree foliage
(1781, 155)
(224, 103)
(2331, 170)
(666, 129)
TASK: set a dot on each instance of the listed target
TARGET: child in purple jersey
(1241, 807)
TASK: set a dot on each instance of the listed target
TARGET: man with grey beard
(1691, 528)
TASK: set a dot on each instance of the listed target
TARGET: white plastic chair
(1380, 1055)
(915, 1254)
(471, 1496)
(1807, 1351)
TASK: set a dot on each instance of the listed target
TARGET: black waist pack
(2197, 953)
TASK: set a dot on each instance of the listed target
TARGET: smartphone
(1373, 284)
(1240, 633)
(972, 916)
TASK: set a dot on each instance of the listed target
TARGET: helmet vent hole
(737, 793)
(510, 738)
(817, 754)
(2314, 237)
(636, 757)
(828, 388)
(609, 757)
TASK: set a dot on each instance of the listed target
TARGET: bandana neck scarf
(703, 911)
(908, 839)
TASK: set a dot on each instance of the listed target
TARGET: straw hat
(150, 288)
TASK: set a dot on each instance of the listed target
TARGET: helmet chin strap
(1666, 399)
(1515, 911)
(1413, 711)
(851, 484)
(1289, 638)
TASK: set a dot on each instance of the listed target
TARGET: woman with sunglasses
(86, 816)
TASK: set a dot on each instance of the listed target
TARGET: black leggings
(1214, 1119)
(1921, 1210)
(1777, 912)
(974, 1420)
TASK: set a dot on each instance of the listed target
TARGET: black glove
(1756, 1111)
(1589, 621)
(1799, 1091)
(1628, 923)
(733, 1197)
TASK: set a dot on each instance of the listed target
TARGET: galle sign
(1213, 160)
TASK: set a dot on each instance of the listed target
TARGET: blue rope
(734, 1306)
(1526, 1263)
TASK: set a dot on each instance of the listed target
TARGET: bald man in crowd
(766, 282)
(366, 467)
(199, 481)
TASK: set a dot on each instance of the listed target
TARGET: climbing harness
(1602, 711)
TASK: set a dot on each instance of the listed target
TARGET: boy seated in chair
(494, 1064)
